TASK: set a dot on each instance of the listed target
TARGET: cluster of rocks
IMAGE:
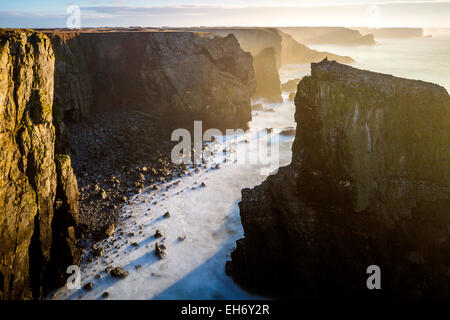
(117, 155)
(115, 272)
(112, 245)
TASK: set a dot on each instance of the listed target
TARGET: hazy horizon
(270, 13)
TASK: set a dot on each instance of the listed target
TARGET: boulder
(118, 273)
(160, 250)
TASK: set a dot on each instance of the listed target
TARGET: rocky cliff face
(253, 40)
(268, 83)
(37, 187)
(369, 184)
(286, 51)
(168, 75)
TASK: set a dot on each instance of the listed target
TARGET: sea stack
(268, 83)
(369, 184)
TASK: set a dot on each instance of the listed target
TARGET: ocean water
(208, 216)
(426, 59)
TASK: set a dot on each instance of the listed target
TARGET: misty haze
(238, 150)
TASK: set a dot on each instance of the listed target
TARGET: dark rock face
(73, 95)
(268, 83)
(64, 251)
(168, 75)
(37, 187)
(369, 184)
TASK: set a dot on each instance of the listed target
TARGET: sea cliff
(262, 43)
(103, 103)
(268, 83)
(369, 184)
(37, 186)
(169, 75)
(287, 49)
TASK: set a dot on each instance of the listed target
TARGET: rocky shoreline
(60, 113)
(108, 112)
(115, 156)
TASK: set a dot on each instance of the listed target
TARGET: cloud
(395, 13)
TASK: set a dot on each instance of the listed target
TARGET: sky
(176, 13)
